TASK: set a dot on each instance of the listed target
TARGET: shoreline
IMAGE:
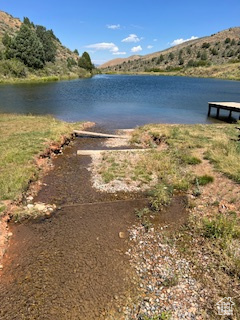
(41, 79)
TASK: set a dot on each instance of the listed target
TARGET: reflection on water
(121, 101)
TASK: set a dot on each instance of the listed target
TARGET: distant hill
(118, 61)
(64, 64)
(215, 50)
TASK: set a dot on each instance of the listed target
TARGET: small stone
(40, 206)
(30, 206)
(122, 235)
(10, 234)
(1, 266)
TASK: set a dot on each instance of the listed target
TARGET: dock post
(209, 110)
(218, 112)
(230, 114)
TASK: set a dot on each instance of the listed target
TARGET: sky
(121, 28)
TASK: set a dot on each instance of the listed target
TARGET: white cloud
(103, 46)
(132, 38)
(136, 49)
(155, 40)
(120, 53)
(113, 26)
(149, 47)
(179, 41)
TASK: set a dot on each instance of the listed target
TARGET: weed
(160, 196)
(224, 227)
(196, 190)
(146, 223)
(165, 315)
(142, 212)
(205, 179)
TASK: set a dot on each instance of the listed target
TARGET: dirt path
(71, 265)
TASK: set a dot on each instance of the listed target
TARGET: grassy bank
(22, 139)
(229, 71)
(47, 78)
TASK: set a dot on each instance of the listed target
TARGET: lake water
(121, 101)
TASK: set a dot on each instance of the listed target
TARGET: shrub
(181, 61)
(171, 56)
(214, 52)
(227, 40)
(204, 56)
(205, 45)
(205, 179)
(12, 68)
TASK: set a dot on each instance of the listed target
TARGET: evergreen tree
(85, 62)
(49, 47)
(27, 47)
(76, 51)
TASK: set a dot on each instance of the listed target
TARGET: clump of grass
(205, 179)
(224, 227)
(161, 196)
(165, 315)
(142, 212)
(108, 176)
(2, 208)
(22, 138)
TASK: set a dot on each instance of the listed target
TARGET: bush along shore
(185, 247)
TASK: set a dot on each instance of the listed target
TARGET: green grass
(205, 179)
(165, 315)
(224, 227)
(22, 139)
(216, 139)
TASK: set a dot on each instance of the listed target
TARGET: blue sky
(111, 29)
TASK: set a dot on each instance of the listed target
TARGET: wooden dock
(230, 106)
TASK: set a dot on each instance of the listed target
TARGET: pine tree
(27, 47)
(85, 62)
(45, 36)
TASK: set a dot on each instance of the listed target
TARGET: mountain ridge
(217, 49)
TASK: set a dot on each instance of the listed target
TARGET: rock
(40, 206)
(122, 235)
(30, 206)
(1, 266)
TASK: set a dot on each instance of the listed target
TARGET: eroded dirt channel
(71, 265)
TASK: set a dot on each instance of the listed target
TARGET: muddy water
(71, 265)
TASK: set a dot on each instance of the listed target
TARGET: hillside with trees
(31, 52)
(215, 56)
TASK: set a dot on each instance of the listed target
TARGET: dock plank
(100, 135)
(93, 152)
